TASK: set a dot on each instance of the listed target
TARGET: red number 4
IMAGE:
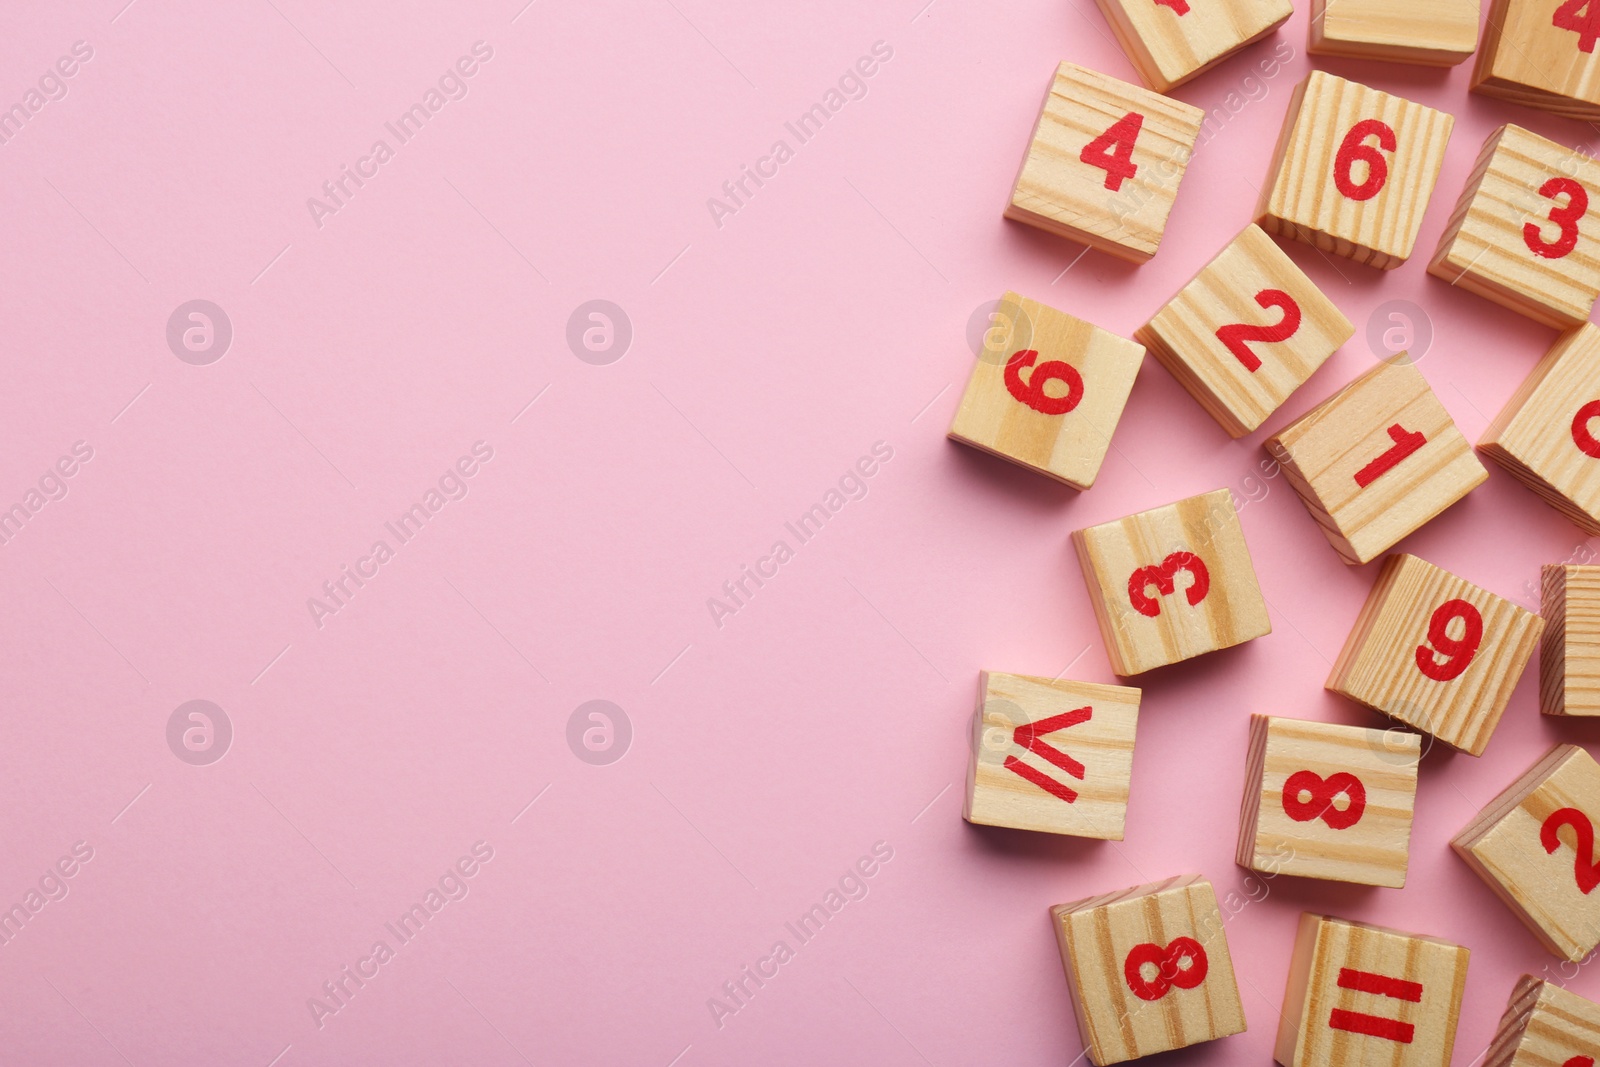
(1112, 151)
(1582, 17)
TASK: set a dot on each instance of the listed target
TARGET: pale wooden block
(1053, 756)
(1323, 800)
(1247, 331)
(1520, 235)
(1436, 652)
(1172, 583)
(1548, 434)
(1537, 53)
(1569, 654)
(1360, 468)
(1353, 170)
(1104, 163)
(1433, 33)
(1534, 846)
(1148, 969)
(1546, 1026)
(1360, 994)
(1170, 41)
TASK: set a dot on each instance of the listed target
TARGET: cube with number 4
(1353, 170)
(1247, 331)
(1104, 163)
(1170, 41)
(1047, 391)
(1436, 652)
(1172, 583)
(1148, 969)
(1518, 236)
(1541, 53)
(1376, 460)
(1534, 846)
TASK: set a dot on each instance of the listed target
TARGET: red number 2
(1585, 870)
(1031, 392)
(1582, 17)
(1322, 791)
(1236, 334)
(1566, 216)
(1352, 148)
(1166, 960)
(1457, 652)
(1161, 576)
(1405, 442)
(1112, 151)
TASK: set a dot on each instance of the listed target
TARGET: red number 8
(1032, 391)
(1161, 576)
(1168, 972)
(1457, 652)
(1352, 149)
(1322, 791)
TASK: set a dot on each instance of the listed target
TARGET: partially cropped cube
(1569, 652)
(1534, 846)
(1546, 1026)
(1322, 800)
(1246, 332)
(1174, 40)
(1431, 33)
(1053, 756)
(1172, 583)
(1539, 53)
(1436, 652)
(1148, 969)
(1104, 163)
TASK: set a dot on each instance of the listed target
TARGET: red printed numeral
(1405, 443)
(1162, 576)
(1566, 216)
(1235, 335)
(1585, 870)
(1586, 442)
(1180, 6)
(1457, 651)
(1032, 391)
(1580, 1061)
(1322, 793)
(1181, 962)
(1582, 17)
(1353, 148)
(1357, 1022)
(1028, 736)
(1112, 151)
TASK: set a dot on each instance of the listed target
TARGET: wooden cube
(1377, 460)
(1353, 170)
(1534, 846)
(1569, 653)
(1541, 54)
(1328, 801)
(1548, 434)
(1436, 652)
(1051, 756)
(1518, 235)
(1361, 994)
(1104, 163)
(1049, 393)
(1433, 33)
(1148, 969)
(1247, 331)
(1172, 41)
(1546, 1026)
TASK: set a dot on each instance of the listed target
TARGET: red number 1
(1405, 442)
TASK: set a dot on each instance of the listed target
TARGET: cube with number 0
(1171, 41)
(1104, 163)
(1541, 53)
(1518, 235)
(1376, 460)
(1246, 332)
(1436, 652)
(1353, 170)
(1534, 846)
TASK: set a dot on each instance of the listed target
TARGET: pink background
(769, 353)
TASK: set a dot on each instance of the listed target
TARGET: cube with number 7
(1353, 170)
(1436, 652)
(1104, 162)
(1519, 235)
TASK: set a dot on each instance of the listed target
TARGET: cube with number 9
(1353, 170)
(1104, 162)
(1436, 652)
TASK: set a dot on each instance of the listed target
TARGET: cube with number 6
(1436, 652)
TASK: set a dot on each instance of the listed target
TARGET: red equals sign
(1357, 1022)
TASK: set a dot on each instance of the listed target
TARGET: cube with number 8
(1436, 652)
(1541, 53)
(1518, 235)
(1534, 846)
(1353, 170)
(1104, 163)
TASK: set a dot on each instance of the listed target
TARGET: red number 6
(1457, 652)
(1352, 148)
(1032, 391)
(1161, 576)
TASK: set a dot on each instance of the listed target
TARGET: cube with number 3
(1541, 53)
(1104, 163)
(1534, 845)
(1519, 236)
(1436, 652)
(1353, 170)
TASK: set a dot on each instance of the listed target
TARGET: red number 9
(1352, 149)
(1457, 652)
(1161, 576)
(1032, 391)
(1166, 960)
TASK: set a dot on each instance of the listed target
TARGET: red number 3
(1166, 960)
(1236, 334)
(1352, 148)
(1112, 151)
(1031, 392)
(1457, 652)
(1567, 217)
(1161, 576)
(1585, 870)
